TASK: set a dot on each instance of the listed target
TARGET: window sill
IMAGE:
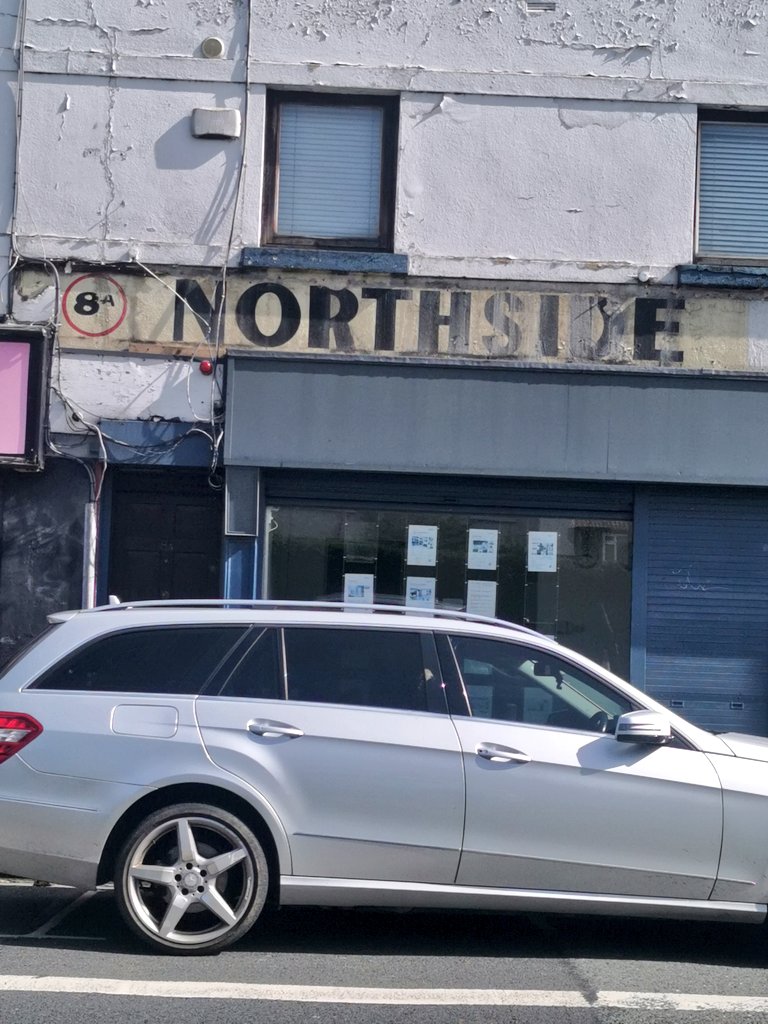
(723, 276)
(325, 259)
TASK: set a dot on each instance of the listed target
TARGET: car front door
(555, 802)
(345, 732)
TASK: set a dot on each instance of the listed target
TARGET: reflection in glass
(585, 602)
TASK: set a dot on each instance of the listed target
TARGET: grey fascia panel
(416, 418)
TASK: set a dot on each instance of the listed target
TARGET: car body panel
(80, 739)
(743, 871)
(589, 814)
(754, 748)
(350, 892)
(366, 792)
(54, 827)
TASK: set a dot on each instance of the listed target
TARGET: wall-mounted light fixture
(216, 123)
(212, 47)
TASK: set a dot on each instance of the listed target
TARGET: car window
(514, 683)
(256, 673)
(368, 667)
(24, 649)
(160, 659)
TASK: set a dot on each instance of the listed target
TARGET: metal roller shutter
(707, 607)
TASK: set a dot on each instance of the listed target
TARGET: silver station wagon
(208, 757)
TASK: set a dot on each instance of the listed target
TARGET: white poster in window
(420, 592)
(422, 545)
(542, 551)
(481, 598)
(358, 588)
(483, 550)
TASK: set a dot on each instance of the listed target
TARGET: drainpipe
(91, 533)
(90, 538)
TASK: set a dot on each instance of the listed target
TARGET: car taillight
(16, 731)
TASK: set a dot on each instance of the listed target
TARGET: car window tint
(256, 673)
(519, 684)
(25, 648)
(369, 667)
(161, 659)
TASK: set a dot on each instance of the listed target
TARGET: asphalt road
(65, 957)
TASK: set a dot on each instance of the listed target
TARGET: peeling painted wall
(643, 39)
(109, 387)
(101, 34)
(563, 142)
(537, 186)
(538, 190)
(8, 76)
(129, 179)
(170, 318)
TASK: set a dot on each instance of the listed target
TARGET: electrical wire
(216, 422)
(212, 328)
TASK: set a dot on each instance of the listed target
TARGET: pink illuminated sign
(14, 393)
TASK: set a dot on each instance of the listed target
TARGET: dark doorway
(165, 535)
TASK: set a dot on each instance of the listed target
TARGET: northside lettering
(439, 321)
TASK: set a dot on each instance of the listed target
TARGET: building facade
(428, 304)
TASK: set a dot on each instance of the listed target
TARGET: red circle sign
(94, 300)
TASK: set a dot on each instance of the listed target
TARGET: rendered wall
(541, 189)
(563, 144)
(8, 75)
(662, 43)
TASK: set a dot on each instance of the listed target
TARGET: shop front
(556, 559)
(622, 513)
(591, 465)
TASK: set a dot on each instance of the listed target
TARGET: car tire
(191, 878)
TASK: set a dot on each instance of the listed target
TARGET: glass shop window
(566, 577)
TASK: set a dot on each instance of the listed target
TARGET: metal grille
(707, 656)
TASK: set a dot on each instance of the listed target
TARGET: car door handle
(264, 727)
(501, 755)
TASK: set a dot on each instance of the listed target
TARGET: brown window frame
(390, 105)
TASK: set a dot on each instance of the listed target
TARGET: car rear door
(345, 732)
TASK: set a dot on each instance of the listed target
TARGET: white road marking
(384, 996)
(43, 930)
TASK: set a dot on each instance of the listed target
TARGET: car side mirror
(650, 727)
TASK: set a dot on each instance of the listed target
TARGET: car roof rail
(267, 603)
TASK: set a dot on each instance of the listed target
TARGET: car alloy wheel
(191, 878)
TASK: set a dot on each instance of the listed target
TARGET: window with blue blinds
(733, 189)
(330, 171)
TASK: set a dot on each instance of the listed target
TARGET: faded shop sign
(407, 317)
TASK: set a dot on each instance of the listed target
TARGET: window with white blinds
(733, 189)
(330, 180)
